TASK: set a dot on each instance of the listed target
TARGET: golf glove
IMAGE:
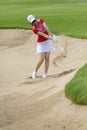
(54, 37)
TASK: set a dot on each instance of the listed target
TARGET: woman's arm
(54, 38)
(47, 29)
(44, 35)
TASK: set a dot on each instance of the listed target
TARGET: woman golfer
(44, 44)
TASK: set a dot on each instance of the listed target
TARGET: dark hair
(33, 21)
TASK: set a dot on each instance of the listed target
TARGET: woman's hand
(54, 38)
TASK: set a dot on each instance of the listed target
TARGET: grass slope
(62, 16)
(76, 89)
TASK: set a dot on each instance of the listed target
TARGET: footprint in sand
(39, 78)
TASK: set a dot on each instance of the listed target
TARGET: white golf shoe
(34, 75)
(44, 75)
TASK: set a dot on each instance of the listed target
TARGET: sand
(40, 104)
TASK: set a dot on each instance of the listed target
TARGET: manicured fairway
(63, 17)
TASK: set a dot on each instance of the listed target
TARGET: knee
(41, 60)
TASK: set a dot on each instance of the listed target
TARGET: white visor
(31, 18)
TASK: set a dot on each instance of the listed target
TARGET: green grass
(67, 17)
(76, 89)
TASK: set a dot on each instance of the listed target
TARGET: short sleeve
(35, 30)
(41, 20)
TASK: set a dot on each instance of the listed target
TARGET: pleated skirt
(45, 46)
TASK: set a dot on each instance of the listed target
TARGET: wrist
(50, 37)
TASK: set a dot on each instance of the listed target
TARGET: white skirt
(45, 46)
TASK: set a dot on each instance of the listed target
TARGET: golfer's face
(35, 23)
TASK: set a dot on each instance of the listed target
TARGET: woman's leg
(47, 59)
(42, 57)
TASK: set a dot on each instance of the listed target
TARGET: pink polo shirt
(40, 28)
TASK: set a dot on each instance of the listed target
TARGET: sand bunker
(40, 104)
